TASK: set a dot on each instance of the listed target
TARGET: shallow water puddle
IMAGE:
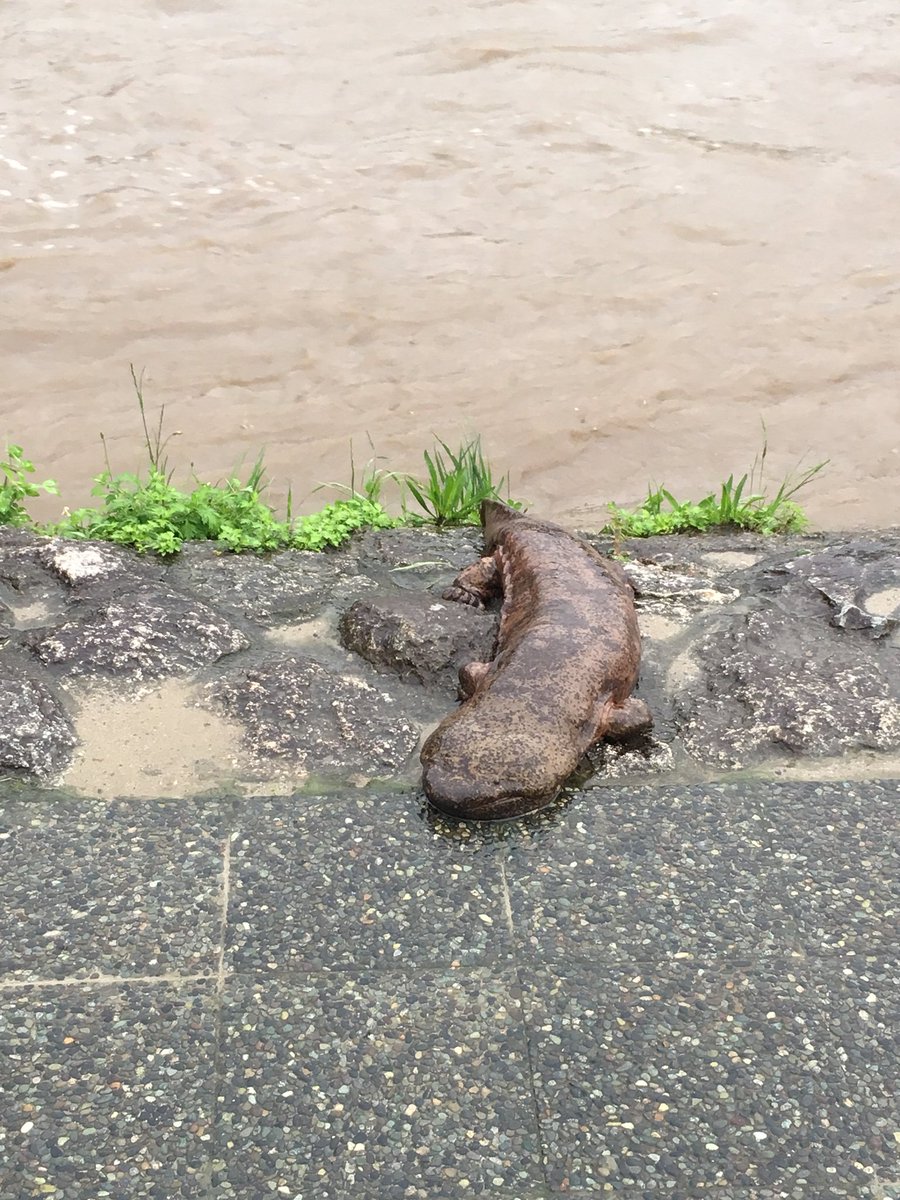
(153, 743)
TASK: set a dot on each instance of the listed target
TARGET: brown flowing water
(611, 238)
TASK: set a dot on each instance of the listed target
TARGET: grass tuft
(736, 505)
(457, 482)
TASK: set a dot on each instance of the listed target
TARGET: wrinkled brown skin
(567, 661)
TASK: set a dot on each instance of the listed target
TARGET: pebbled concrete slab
(359, 882)
(300, 996)
(404, 1085)
(649, 874)
(107, 1091)
(691, 1076)
(109, 888)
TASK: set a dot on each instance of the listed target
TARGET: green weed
(150, 513)
(371, 480)
(360, 509)
(334, 524)
(740, 505)
(15, 487)
(455, 486)
(153, 514)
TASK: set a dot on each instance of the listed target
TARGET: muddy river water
(612, 238)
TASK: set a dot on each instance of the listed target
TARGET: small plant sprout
(737, 505)
(371, 480)
(16, 487)
(457, 482)
(154, 442)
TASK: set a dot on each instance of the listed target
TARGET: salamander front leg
(628, 720)
(477, 584)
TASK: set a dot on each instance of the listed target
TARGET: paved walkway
(669, 991)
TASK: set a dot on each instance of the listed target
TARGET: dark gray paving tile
(107, 1091)
(739, 868)
(96, 887)
(411, 1191)
(406, 1191)
(778, 1075)
(382, 1084)
(360, 881)
(874, 1190)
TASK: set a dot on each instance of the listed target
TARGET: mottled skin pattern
(567, 660)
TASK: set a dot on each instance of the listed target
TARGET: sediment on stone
(418, 636)
(293, 707)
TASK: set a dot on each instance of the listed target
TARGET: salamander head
(473, 772)
(467, 801)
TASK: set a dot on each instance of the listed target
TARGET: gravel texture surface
(359, 882)
(649, 992)
(777, 1072)
(383, 1080)
(736, 868)
(118, 888)
(107, 1091)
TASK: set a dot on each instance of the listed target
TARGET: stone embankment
(767, 654)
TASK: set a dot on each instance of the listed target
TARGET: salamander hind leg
(476, 584)
(470, 677)
(626, 721)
